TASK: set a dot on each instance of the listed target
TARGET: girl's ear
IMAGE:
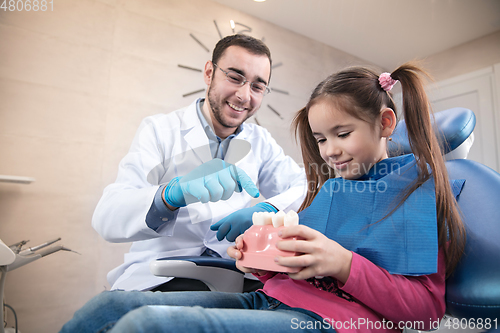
(387, 122)
(208, 72)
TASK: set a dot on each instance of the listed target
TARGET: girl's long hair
(358, 92)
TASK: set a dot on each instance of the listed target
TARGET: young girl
(343, 132)
(359, 274)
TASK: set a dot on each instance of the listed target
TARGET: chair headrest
(452, 128)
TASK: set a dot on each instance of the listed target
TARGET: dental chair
(473, 290)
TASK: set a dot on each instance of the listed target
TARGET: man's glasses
(257, 88)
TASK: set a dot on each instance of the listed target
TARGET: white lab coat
(171, 145)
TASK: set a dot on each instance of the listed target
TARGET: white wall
(469, 76)
(475, 91)
(474, 55)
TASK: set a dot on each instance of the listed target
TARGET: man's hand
(236, 223)
(212, 181)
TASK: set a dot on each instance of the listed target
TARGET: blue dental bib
(355, 213)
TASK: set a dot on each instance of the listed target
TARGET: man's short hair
(251, 44)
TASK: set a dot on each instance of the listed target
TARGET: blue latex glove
(212, 181)
(236, 223)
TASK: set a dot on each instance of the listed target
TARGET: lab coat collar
(193, 133)
(189, 118)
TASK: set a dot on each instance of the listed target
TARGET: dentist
(185, 187)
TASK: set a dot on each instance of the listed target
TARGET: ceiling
(384, 32)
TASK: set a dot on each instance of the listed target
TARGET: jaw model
(259, 241)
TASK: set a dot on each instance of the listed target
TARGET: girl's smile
(341, 165)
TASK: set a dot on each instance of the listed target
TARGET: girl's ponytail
(425, 146)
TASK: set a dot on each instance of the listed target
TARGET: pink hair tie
(386, 81)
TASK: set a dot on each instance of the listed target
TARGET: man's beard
(217, 112)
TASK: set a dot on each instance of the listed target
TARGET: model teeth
(291, 218)
(235, 107)
(262, 218)
(277, 220)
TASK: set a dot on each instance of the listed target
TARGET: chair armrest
(219, 274)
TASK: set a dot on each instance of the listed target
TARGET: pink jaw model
(259, 241)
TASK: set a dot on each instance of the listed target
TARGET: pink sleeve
(264, 278)
(398, 297)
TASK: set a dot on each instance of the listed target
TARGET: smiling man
(229, 105)
(186, 186)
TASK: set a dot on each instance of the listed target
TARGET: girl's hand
(235, 253)
(320, 256)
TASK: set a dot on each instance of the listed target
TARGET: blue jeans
(217, 312)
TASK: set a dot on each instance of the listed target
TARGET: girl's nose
(333, 150)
